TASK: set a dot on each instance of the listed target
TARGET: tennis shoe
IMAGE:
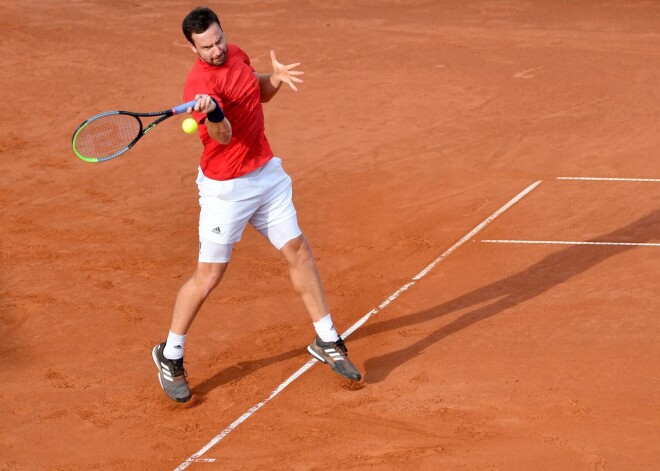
(171, 375)
(335, 354)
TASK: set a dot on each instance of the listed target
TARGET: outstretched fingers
(285, 73)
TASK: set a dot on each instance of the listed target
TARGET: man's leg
(168, 356)
(276, 220)
(193, 293)
(305, 277)
(225, 209)
(327, 347)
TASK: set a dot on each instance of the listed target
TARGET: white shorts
(262, 198)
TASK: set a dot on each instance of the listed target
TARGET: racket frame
(141, 132)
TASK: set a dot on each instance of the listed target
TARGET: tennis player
(240, 182)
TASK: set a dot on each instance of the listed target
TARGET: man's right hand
(217, 124)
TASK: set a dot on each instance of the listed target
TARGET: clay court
(479, 182)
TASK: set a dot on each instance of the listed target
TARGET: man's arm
(217, 125)
(220, 132)
(269, 84)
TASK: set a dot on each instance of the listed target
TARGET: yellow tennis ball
(189, 125)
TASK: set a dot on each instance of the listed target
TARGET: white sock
(174, 346)
(326, 330)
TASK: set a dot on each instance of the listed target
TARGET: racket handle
(183, 108)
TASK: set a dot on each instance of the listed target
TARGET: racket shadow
(504, 294)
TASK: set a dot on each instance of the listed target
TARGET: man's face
(211, 45)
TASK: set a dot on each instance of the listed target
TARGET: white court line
(611, 179)
(568, 242)
(197, 457)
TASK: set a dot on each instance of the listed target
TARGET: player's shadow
(504, 294)
(241, 369)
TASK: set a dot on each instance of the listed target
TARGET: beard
(218, 60)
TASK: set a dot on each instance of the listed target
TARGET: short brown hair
(198, 21)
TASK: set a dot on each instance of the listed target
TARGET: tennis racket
(108, 135)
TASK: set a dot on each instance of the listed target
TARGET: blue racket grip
(183, 108)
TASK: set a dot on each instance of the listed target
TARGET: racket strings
(105, 136)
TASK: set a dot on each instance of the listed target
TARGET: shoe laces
(178, 368)
(341, 346)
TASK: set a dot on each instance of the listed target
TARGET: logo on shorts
(217, 230)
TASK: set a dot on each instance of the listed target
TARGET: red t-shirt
(236, 89)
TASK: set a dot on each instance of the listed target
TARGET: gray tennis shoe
(335, 354)
(171, 375)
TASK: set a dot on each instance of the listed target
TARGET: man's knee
(208, 275)
(297, 251)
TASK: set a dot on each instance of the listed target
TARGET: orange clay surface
(417, 121)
